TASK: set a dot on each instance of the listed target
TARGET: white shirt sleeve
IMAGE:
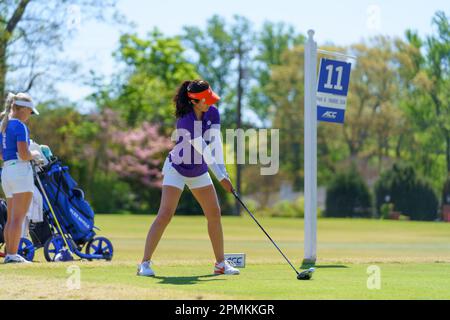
(215, 162)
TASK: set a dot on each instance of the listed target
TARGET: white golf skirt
(17, 177)
(173, 178)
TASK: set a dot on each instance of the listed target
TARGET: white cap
(26, 104)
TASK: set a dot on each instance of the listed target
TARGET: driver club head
(306, 275)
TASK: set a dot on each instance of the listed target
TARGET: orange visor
(210, 96)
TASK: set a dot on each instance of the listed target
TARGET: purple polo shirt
(188, 127)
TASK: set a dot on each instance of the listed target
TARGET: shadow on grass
(325, 266)
(331, 266)
(188, 280)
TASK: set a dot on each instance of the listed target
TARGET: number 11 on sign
(338, 85)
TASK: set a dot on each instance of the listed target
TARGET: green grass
(413, 257)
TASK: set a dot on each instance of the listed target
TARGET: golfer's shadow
(188, 280)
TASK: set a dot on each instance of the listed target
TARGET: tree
(285, 91)
(272, 42)
(143, 91)
(70, 135)
(373, 118)
(438, 72)
(136, 157)
(214, 53)
(243, 40)
(348, 196)
(410, 194)
(425, 70)
(29, 28)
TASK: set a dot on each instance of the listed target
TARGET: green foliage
(273, 41)
(398, 110)
(155, 67)
(70, 135)
(223, 55)
(446, 192)
(285, 90)
(410, 194)
(289, 209)
(110, 195)
(188, 205)
(348, 196)
(281, 209)
(425, 66)
(385, 210)
(213, 47)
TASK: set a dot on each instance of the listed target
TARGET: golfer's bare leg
(207, 198)
(9, 204)
(169, 202)
(21, 204)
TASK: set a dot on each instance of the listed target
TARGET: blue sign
(332, 90)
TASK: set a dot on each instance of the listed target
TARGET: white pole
(310, 245)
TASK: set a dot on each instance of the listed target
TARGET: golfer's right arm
(23, 151)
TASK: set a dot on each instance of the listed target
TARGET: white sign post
(325, 100)
(310, 169)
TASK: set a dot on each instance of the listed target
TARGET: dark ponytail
(182, 102)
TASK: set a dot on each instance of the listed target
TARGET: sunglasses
(191, 85)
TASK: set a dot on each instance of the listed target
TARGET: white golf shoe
(145, 269)
(15, 258)
(226, 267)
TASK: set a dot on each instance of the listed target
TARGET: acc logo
(237, 258)
(330, 115)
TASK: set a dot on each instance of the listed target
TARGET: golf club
(304, 275)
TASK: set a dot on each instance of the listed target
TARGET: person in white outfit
(17, 174)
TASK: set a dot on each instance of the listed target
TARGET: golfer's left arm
(215, 163)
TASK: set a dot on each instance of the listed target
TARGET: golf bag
(40, 232)
(68, 219)
(71, 209)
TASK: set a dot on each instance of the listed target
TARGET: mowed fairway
(413, 257)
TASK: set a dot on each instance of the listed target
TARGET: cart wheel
(52, 247)
(102, 246)
(26, 249)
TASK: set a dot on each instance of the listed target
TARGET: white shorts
(173, 178)
(17, 177)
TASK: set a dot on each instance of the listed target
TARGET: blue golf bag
(70, 217)
(74, 213)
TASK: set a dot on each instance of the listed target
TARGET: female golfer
(186, 165)
(17, 174)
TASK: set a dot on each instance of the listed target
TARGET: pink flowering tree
(125, 162)
(138, 154)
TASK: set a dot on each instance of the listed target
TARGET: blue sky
(341, 22)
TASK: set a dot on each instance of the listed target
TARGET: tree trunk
(239, 121)
(3, 68)
(447, 134)
(5, 36)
